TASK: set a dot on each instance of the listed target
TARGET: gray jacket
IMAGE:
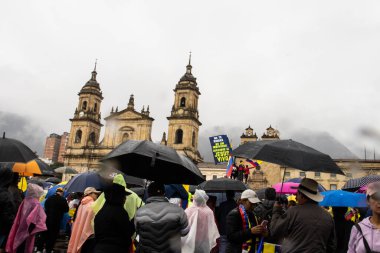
(305, 228)
(160, 225)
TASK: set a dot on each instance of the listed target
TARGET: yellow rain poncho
(132, 203)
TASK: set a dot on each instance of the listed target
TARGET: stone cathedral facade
(85, 149)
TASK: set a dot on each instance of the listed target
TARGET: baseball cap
(251, 196)
(90, 190)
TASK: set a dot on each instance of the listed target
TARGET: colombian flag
(254, 164)
(229, 166)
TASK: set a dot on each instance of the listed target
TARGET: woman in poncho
(30, 219)
(203, 230)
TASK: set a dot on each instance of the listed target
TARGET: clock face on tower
(81, 114)
(180, 111)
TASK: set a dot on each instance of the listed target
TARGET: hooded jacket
(160, 226)
(371, 234)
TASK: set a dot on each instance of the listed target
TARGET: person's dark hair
(230, 194)
(270, 193)
(6, 176)
(292, 203)
(156, 189)
(15, 179)
(115, 195)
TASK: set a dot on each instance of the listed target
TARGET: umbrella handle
(283, 179)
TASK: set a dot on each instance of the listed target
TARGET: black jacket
(7, 211)
(113, 229)
(235, 234)
(222, 212)
(55, 207)
(264, 210)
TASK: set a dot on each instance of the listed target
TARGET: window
(287, 174)
(317, 174)
(302, 174)
(193, 140)
(348, 174)
(91, 139)
(214, 176)
(182, 102)
(178, 136)
(333, 187)
(78, 136)
(95, 107)
(84, 105)
(333, 175)
(125, 137)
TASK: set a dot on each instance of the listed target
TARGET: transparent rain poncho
(203, 230)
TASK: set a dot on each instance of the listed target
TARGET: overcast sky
(301, 66)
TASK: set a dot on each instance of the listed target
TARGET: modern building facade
(55, 147)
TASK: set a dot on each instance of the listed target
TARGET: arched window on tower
(95, 107)
(182, 102)
(91, 139)
(125, 137)
(178, 136)
(78, 136)
(193, 140)
(84, 105)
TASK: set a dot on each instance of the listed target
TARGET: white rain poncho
(203, 230)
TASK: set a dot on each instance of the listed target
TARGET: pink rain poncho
(203, 230)
(82, 228)
(30, 212)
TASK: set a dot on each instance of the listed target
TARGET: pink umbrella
(362, 189)
(287, 188)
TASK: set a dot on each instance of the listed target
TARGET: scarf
(246, 226)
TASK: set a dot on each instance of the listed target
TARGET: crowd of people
(118, 220)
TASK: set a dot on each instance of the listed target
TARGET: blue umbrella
(343, 199)
(53, 189)
(81, 181)
(299, 179)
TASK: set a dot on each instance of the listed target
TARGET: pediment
(126, 114)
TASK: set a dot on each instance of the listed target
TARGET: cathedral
(85, 149)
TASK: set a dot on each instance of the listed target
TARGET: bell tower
(184, 118)
(85, 125)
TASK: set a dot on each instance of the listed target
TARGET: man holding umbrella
(306, 227)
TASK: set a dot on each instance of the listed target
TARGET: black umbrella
(66, 170)
(288, 153)
(355, 183)
(222, 184)
(12, 150)
(53, 180)
(139, 191)
(45, 168)
(145, 159)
